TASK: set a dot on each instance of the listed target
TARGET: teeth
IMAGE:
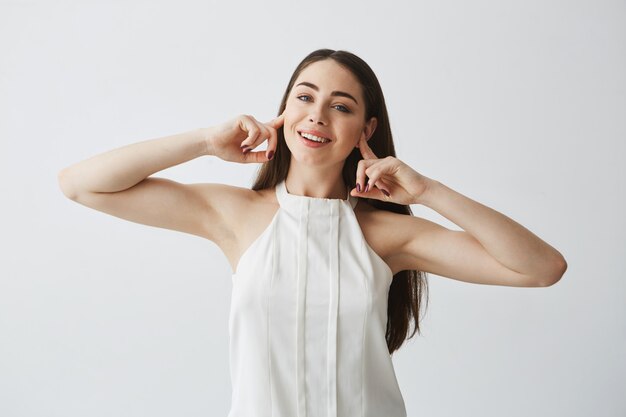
(315, 138)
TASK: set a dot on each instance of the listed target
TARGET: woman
(329, 263)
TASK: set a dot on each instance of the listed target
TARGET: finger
(255, 157)
(263, 134)
(272, 144)
(366, 151)
(361, 177)
(256, 129)
(372, 171)
(277, 122)
(248, 143)
(252, 128)
(375, 172)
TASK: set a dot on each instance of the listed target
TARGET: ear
(368, 129)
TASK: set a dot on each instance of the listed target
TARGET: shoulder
(232, 200)
(242, 213)
(377, 218)
(376, 225)
(224, 199)
(229, 198)
(388, 232)
(229, 206)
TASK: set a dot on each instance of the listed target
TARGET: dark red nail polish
(367, 187)
(385, 192)
(270, 155)
(358, 187)
(246, 150)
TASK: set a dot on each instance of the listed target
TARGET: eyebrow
(334, 93)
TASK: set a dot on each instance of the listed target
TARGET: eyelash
(338, 105)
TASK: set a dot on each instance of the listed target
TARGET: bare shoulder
(244, 212)
(248, 213)
(386, 233)
(230, 202)
(226, 199)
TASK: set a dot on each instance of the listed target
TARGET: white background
(517, 104)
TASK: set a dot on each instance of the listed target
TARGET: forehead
(329, 75)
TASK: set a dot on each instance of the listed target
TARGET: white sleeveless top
(308, 318)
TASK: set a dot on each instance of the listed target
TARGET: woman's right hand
(233, 140)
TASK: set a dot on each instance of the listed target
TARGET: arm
(122, 168)
(117, 182)
(493, 249)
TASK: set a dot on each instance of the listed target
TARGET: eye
(345, 109)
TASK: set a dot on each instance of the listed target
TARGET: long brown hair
(407, 287)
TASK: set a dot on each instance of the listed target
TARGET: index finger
(366, 151)
(277, 122)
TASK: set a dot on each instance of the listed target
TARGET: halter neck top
(308, 317)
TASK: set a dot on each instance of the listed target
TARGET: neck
(316, 181)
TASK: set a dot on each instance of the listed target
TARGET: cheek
(289, 118)
(355, 134)
(288, 127)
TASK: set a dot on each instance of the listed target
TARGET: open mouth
(313, 139)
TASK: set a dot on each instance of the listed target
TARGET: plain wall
(519, 105)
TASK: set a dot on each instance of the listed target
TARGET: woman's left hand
(401, 182)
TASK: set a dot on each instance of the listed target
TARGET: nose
(317, 115)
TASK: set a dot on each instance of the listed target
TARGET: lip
(310, 143)
(316, 133)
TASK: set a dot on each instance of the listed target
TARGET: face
(327, 101)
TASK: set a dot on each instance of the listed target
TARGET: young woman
(329, 264)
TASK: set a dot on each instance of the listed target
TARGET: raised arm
(491, 249)
(122, 168)
(119, 182)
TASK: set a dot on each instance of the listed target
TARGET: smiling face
(326, 100)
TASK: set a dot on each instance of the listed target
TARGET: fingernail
(247, 150)
(367, 187)
(243, 146)
(385, 192)
(270, 154)
(358, 187)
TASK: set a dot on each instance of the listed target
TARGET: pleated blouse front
(308, 318)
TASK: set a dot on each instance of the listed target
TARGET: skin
(316, 172)
(490, 249)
